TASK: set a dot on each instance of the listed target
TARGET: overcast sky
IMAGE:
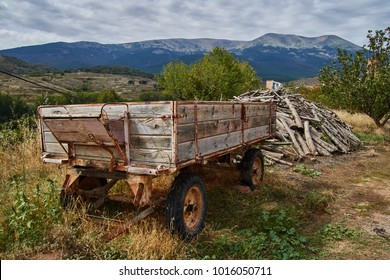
(35, 22)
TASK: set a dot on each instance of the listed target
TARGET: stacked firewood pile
(303, 128)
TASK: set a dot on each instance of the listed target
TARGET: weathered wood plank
(48, 137)
(186, 132)
(77, 130)
(208, 112)
(185, 113)
(256, 121)
(219, 143)
(150, 110)
(186, 151)
(55, 148)
(151, 126)
(217, 127)
(96, 152)
(254, 133)
(151, 142)
(148, 156)
(257, 109)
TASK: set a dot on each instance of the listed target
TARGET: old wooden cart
(136, 142)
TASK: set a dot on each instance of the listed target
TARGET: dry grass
(362, 123)
(74, 235)
(150, 240)
(231, 214)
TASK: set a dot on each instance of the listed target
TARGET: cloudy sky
(34, 22)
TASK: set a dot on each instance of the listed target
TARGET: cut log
(296, 145)
(294, 112)
(309, 139)
(302, 125)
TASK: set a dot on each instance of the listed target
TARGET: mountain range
(274, 56)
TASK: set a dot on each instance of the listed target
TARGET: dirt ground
(359, 184)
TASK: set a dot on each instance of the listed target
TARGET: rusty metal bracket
(113, 162)
(103, 119)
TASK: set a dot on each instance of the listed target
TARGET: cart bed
(150, 138)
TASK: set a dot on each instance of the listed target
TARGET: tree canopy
(360, 82)
(217, 76)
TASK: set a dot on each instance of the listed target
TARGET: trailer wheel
(252, 168)
(186, 206)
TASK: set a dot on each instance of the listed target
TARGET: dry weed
(361, 122)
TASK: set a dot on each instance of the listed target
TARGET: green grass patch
(304, 170)
(369, 138)
(338, 231)
(275, 235)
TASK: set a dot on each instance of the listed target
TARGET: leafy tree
(174, 79)
(360, 82)
(108, 96)
(217, 76)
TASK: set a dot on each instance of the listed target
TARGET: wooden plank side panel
(151, 157)
(151, 142)
(55, 148)
(208, 111)
(219, 143)
(77, 130)
(96, 152)
(185, 113)
(86, 110)
(137, 156)
(112, 111)
(151, 126)
(257, 109)
(256, 121)
(186, 132)
(150, 110)
(255, 133)
(50, 144)
(186, 151)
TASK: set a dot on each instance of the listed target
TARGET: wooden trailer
(136, 142)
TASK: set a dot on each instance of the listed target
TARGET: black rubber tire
(186, 206)
(252, 172)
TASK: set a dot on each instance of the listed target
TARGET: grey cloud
(118, 21)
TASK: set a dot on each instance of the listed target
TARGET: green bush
(31, 215)
(274, 236)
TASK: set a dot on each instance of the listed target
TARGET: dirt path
(360, 185)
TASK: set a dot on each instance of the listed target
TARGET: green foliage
(217, 76)
(316, 201)
(175, 79)
(274, 236)
(17, 131)
(12, 107)
(338, 231)
(78, 98)
(307, 171)
(360, 82)
(371, 138)
(31, 216)
(153, 96)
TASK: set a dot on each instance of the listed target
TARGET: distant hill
(274, 56)
(17, 66)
